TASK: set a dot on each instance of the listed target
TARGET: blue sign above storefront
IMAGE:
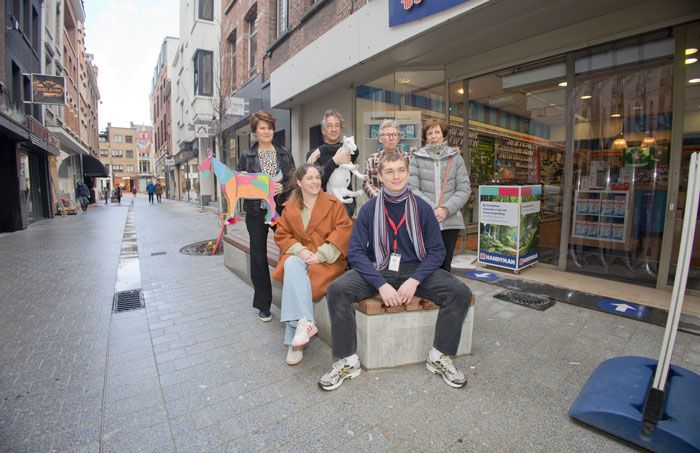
(403, 11)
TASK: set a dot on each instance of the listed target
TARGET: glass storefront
(30, 187)
(189, 181)
(593, 128)
(691, 144)
(622, 109)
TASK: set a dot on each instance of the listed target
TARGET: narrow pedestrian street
(196, 371)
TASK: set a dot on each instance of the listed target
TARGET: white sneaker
(295, 355)
(341, 371)
(444, 367)
(305, 330)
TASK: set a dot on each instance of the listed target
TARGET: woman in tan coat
(313, 234)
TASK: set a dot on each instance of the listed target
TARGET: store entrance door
(688, 135)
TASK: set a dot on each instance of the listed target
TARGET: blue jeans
(296, 296)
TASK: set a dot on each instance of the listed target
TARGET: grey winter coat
(427, 172)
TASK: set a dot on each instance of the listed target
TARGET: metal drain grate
(158, 253)
(540, 303)
(128, 300)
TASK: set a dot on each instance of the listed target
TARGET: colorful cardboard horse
(240, 184)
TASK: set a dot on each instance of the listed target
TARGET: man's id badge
(394, 262)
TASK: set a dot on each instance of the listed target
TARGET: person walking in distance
(82, 193)
(159, 191)
(151, 189)
(134, 190)
(396, 251)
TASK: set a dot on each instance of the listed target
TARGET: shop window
(409, 97)
(691, 144)
(622, 110)
(517, 136)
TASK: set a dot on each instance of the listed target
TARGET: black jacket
(250, 162)
(325, 160)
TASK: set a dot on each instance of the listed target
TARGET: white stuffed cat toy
(340, 179)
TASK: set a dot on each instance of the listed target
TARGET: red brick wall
(321, 17)
(234, 22)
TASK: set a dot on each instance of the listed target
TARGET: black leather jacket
(250, 162)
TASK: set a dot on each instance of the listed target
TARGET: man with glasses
(389, 139)
(330, 154)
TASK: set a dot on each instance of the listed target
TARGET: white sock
(352, 359)
(434, 354)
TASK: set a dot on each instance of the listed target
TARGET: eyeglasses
(392, 135)
(332, 126)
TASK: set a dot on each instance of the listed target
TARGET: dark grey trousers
(441, 287)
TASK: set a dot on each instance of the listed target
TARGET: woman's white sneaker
(305, 330)
(295, 355)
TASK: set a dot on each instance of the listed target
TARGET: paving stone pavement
(196, 371)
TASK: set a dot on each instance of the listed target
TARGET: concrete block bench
(386, 337)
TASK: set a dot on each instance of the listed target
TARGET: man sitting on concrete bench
(396, 250)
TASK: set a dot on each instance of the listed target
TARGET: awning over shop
(93, 167)
(68, 143)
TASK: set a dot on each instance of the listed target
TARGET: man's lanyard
(394, 226)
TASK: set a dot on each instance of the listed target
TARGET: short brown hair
(391, 157)
(429, 124)
(261, 115)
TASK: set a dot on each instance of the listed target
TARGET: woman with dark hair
(439, 176)
(270, 158)
(313, 234)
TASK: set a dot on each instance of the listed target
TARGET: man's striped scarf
(381, 233)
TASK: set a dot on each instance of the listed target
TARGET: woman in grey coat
(440, 177)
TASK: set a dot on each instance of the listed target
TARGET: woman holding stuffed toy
(265, 156)
(313, 234)
(439, 176)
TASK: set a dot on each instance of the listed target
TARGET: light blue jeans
(296, 296)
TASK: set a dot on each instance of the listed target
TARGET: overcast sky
(125, 37)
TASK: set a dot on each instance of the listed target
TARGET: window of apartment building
(129, 153)
(26, 24)
(130, 168)
(117, 153)
(282, 13)
(232, 42)
(103, 152)
(35, 29)
(16, 86)
(117, 168)
(203, 73)
(17, 10)
(144, 166)
(129, 139)
(27, 93)
(206, 9)
(252, 24)
(117, 138)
